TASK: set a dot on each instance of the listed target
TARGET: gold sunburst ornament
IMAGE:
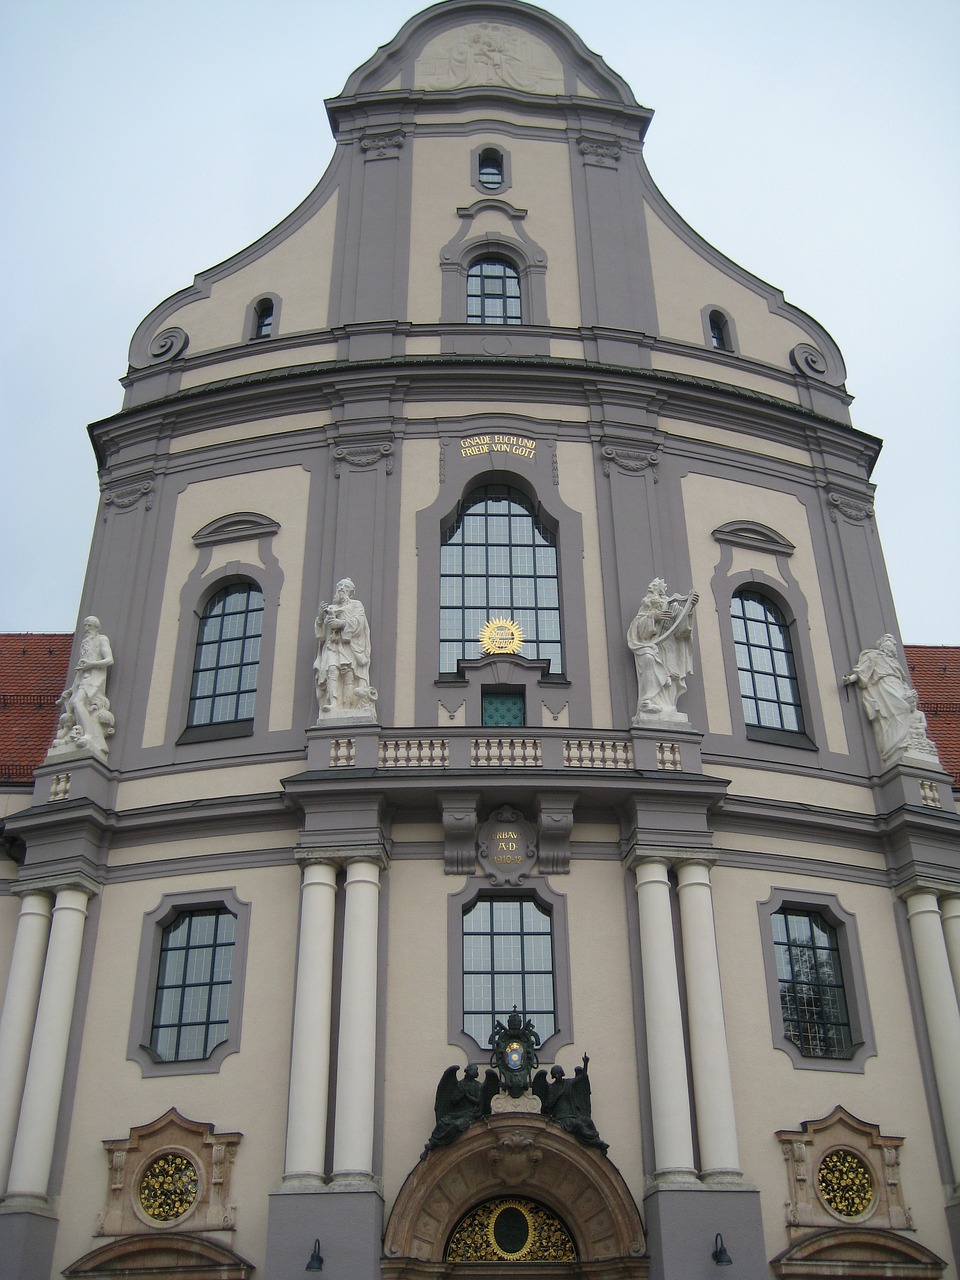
(501, 635)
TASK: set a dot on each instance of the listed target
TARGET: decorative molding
(599, 152)
(167, 345)
(668, 756)
(362, 456)
(507, 847)
(554, 825)
(809, 360)
(126, 496)
(754, 536)
(929, 793)
(343, 753)
(238, 527)
(459, 813)
(631, 462)
(60, 787)
(376, 146)
(855, 510)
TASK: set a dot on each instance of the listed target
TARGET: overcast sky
(816, 145)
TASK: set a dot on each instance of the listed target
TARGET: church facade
(490, 830)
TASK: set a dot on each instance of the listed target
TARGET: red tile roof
(935, 673)
(33, 673)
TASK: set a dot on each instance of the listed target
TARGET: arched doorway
(529, 1164)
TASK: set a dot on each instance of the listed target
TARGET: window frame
(475, 271)
(771, 605)
(171, 906)
(854, 979)
(506, 181)
(732, 347)
(534, 889)
(251, 320)
(239, 726)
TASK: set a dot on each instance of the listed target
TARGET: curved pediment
(858, 1252)
(488, 44)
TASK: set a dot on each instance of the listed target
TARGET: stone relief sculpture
(899, 726)
(661, 640)
(489, 53)
(568, 1102)
(459, 1104)
(342, 665)
(85, 719)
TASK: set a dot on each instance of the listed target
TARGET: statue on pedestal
(342, 664)
(661, 640)
(568, 1102)
(899, 726)
(85, 719)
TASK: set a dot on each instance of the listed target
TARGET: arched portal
(526, 1158)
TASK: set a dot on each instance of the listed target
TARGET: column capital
(345, 855)
(637, 854)
(926, 884)
(55, 883)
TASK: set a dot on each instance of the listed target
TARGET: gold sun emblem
(501, 635)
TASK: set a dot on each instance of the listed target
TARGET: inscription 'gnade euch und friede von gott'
(519, 446)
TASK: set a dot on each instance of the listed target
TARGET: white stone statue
(661, 639)
(342, 664)
(86, 720)
(899, 726)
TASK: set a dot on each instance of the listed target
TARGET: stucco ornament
(342, 665)
(899, 726)
(85, 719)
(661, 640)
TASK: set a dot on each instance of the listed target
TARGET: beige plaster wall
(257, 358)
(203, 784)
(736, 375)
(577, 489)
(280, 492)
(525, 413)
(419, 488)
(111, 1094)
(708, 502)
(684, 283)
(730, 439)
(263, 428)
(795, 788)
(771, 1094)
(134, 853)
(298, 269)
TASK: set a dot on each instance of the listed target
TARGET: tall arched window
(224, 685)
(493, 292)
(720, 331)
(263, 326)
(765, 665)
(499, 560)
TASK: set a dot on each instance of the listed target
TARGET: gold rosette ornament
(501, 635)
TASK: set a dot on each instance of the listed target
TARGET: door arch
(524, 1157)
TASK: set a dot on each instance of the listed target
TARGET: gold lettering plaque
(501, 635)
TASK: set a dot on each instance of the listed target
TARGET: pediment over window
(238, 527)
(179, 1257)
(758, 537)
(858, 1253)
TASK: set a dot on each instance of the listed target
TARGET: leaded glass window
(812, 997)
(224, 686)
(507, 963)
(493, 293)
(491, 169)
(192, 1007)
(499, 560)
(765, 665)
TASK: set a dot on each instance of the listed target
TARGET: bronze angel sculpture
(460, 1103)
(568, 1102)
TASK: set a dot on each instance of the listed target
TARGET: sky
(815, 145)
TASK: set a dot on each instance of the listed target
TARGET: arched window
(490, 168)
(765, 665)
(224, 685)
(720, 331)
(499, 561)
(493, 292)
(263, 313)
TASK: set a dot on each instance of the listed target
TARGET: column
(940, 1007)
(33, 1150)
(712, 1086)
(19, 1016)
(666, 1063)
(357, 1046)
(950, 911)
(310, 1051)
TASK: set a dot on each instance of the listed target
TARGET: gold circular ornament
(501, 635)
(510, 1230)
(845, 1183)
(168, 1187)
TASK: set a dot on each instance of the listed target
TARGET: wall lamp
(719, 1255)
(316, 1262)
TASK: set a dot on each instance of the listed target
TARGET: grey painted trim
(524, 254)
(141, 1019)
(505, 169)
(539, 889)
(706, 313)
(397, 57)
(252, 317)
(854, 979)
(238, 527)
(754, 536)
